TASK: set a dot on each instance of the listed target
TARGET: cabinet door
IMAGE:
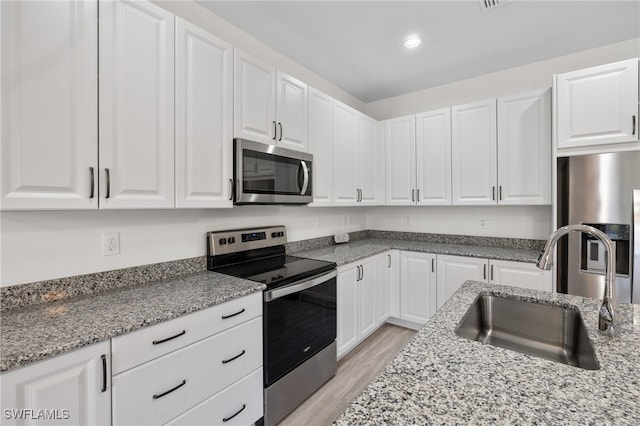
(473, 153)
(400, 137)
(367, 297)
(204, 73)
(347, 303)
(345, 154)
(76, 385)
(417, 286)
(321, 146)
(368, 160)
(598, 105)
(519, 274)
(136, 105)
(291, 112)
(524, 148)
(254, 97)
(433, 158)
(388, 294)
(453, 271)
(49, 147)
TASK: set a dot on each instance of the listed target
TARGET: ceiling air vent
(491, 4)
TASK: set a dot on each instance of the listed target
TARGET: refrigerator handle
(635, 284)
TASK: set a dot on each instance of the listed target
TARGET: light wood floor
(355, 371)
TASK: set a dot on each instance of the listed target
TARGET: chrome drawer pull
(184, 382)
(233, 315)
(226, 419)
(104, 372)
(157, 342)
(225, 361)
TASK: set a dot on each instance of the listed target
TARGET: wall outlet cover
(341, 238)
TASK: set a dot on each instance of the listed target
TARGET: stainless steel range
(299, 312)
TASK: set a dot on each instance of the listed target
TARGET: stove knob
(222, 241)
(232, 240)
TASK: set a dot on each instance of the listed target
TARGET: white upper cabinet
(368, 149)
(524, 148)
(473, 153)
(433, 158)
(49, 145)
(321, 146)
(254, 99)
(597, 108)
(204, 76)
(291, 112)
(269, 105)
(345, 155)
(136, 105)
(401, 161)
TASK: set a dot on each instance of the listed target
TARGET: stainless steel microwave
(268, 174)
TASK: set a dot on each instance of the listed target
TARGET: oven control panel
(237, 240)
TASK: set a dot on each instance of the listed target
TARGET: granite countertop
(440, 378)
(38, 332)
(355, 250)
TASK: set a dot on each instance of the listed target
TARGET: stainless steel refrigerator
(601, 190)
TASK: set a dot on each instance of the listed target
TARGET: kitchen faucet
(608, 321)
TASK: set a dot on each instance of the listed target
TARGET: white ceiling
(357, 45)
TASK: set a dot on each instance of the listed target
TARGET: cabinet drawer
(243, 398)
(136, 348)
(144, 395)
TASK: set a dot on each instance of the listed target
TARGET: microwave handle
(305, 172)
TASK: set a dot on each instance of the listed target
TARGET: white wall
(44, 245)
(537, 75)
(499, 221)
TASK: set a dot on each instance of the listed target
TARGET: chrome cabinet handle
(157, 342)
(280, 124)
(500, 192)
(493, 193)
(305, 173)
(104, 373)
(184, 382)
(418, 194)
(226, 361)
(433, 265)
(413, 195)
(108, 173)
(230, 189)
(92, 182)
(275, 131)
(389, 258)
(226, 419)
(491, 273)
(633, 119)
(484, 271)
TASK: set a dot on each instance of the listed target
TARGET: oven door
(267, 174)
(299, 320)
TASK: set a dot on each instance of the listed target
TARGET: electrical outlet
(483, 223)
(111, 243)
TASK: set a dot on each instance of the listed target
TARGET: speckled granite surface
(61, 288)
(440, 378)
(352, 251)
(41, 331)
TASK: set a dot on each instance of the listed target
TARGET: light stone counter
(38, 332)
(440, 378)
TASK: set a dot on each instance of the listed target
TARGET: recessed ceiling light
(412, 42)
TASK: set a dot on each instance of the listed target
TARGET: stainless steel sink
(550, 332)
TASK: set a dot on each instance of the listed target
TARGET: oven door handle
(277, 293)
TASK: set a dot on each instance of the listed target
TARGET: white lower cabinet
(357, 302)
(417, 286)
(192, 375)
(388, 286)
(453, 271)
(70, 389)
